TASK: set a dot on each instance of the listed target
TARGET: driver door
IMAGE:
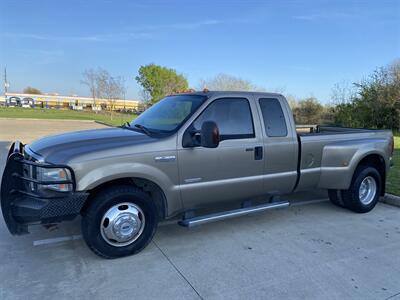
(233, 170)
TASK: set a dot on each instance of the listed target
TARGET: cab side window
(274, 119)
(233, 118)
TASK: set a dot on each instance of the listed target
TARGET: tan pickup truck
(185, 154)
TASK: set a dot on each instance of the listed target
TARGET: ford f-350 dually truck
(187, 153)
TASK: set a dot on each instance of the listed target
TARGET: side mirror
(209, 135)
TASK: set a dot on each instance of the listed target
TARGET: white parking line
(56, 240)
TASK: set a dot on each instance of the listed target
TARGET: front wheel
(120, 221)
(365, 190)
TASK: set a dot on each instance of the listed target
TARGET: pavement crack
(391, 297)
(179, 272)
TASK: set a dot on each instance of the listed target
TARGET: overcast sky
(299, 47)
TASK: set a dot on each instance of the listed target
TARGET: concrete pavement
(313, 251)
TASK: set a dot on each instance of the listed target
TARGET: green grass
(65, 114)
(393, 181)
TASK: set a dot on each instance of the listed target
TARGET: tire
(133, 207)
(336, 197)
(352, 199)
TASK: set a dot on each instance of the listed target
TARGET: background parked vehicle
(27, 102)
(13, 102)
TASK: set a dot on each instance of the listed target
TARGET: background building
(69, 102)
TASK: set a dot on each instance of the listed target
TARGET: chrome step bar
(231, 214)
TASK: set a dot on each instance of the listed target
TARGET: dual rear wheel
(364, 191)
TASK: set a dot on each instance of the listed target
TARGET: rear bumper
(23, 205)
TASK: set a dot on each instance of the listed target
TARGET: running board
(231, 214)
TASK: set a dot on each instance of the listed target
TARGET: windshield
(169, 113)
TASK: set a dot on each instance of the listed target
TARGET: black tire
(336, 197)
(351, 198)
(101, 203)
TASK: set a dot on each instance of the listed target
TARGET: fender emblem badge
(165, 158)
(193, 180)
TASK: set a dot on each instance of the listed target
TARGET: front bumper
(22, 204)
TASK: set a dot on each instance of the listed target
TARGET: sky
(300, 48)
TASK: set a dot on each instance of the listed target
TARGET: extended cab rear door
(233, 170)
(280, 144)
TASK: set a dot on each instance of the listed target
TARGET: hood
(63, 147)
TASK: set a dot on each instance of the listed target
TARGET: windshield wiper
(143, 128)
(125, 125)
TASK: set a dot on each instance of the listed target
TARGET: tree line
(374, 102)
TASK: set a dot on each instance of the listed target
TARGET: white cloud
(325, 16)
(87, 38)
(193, 25)
(137, 32)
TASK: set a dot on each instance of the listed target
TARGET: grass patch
(393, 180)
(65, 114)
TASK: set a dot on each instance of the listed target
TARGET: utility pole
(6, 85)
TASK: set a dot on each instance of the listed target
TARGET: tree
(308, 111)
(293, 102)
(102, 85)
(145, 97)
(158, 81)
(225, 82)
(32, 90)
(343, 92)
(110, 88)
(377, 102)
(90, 79)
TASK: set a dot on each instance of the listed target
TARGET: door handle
(258, 153)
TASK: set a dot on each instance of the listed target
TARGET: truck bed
(322, 149)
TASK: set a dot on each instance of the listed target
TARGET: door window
(233, 118)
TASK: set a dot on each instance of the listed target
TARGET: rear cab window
(273, 117)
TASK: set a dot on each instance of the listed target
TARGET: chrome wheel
(367, 190)
(122, 224)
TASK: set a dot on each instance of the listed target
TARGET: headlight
(54, 174)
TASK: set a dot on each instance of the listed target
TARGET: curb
(391, 200)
